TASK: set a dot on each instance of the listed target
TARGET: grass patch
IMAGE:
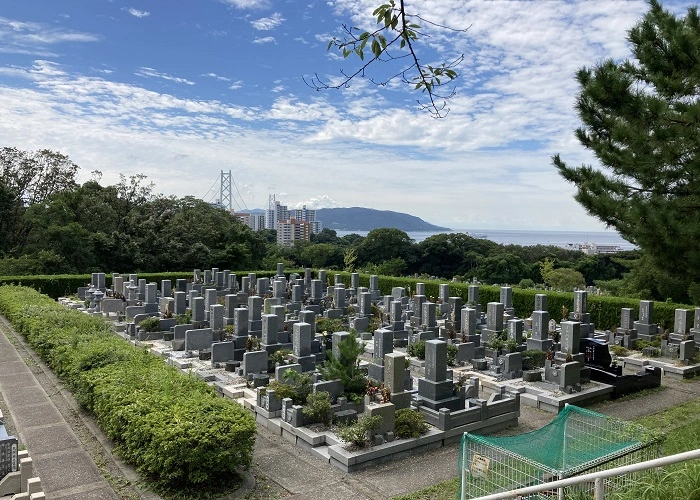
(681, 424)
(445, 489)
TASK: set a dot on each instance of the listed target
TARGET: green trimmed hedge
(171, 426)
(605, 310)
(62, 285)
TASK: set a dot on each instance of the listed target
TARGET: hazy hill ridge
(366, 219)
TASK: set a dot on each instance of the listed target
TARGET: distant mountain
(366, 219)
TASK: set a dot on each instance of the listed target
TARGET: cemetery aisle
(33, 401)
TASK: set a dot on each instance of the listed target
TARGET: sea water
(562, 239)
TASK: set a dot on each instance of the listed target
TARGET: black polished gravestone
(597, 354)
(9, 461)
(598, 359)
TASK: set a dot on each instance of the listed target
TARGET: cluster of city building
(291, 225)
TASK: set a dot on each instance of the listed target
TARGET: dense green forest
(49, 224)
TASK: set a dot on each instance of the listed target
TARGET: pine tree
(641, 119)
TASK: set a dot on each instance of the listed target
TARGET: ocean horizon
(525, 237)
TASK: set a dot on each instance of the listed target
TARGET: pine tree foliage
(641, 119)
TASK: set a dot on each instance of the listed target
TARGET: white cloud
(150, 72)
(138, 13)
(247, 4)
(267, 39)
(217, 77)
(316, 202)
(236, 85)
(267, 23)
(30, 38)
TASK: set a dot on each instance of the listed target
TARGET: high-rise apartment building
(291, 230)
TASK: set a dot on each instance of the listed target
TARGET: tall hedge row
(62, 285)
(605, 310)
(171, 426)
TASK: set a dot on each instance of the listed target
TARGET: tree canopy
(641, 119)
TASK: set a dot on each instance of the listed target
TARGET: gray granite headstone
(210, 297)
(269, 329)
(494, 316)
(395, 372)
(165, 288)
(354, 281)
(306, 316)
(316, 289)
(198, 309)
(473, 294)
(216, 317)
(540, 325)
(435, 360)
(507, 296)
(222, 352)
(240, 322)
(682, 321)
(230, 303)
(301, 340)
(365, 304)
(196, 340)
(383, 343)
(627, 318)
(254, 362)
(418, 301)
(469, 321)
(570, 336)
(255, 306)
(428, 316)
(337, 338)
(540, 302)
(515, 330)
(580, 302)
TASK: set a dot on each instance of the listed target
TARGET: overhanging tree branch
(395, 23)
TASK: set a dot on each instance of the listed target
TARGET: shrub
(345, 366)
(618, 350)
(296, 386)
(151, 324)
(199, 438)
(451, 354)
(318, 407)
(409, 424)
(417, 349)
(533, 359)
(330, 325)
(280, 356)
(359, 433)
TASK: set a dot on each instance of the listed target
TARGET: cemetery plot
(339, 370)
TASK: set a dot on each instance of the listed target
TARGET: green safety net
(575, 441)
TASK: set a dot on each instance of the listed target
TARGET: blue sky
(181, 90)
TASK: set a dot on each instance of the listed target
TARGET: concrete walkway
(45, 419)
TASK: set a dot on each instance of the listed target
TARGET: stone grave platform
(328, 447)
(543, 395)
(669, 367)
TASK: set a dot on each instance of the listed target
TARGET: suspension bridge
(221, 194)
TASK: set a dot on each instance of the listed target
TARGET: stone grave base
(544, 395)
(331, 449)
(669, 367)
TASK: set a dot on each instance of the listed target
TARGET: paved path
(63, 444)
